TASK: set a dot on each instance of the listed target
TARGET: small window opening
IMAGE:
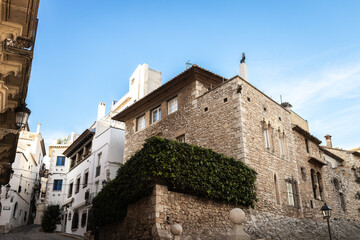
(265, 109)
(280, 118)
(248, 99)
(225, 99)
(206, 109)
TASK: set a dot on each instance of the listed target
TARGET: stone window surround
(293, 193)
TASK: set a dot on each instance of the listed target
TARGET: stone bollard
(237, 217)
(176, 231)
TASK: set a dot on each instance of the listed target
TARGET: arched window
(276, 190)
(15, 209)
(75, 221)
(313, 181)
(320, 185)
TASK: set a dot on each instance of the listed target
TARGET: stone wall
(151, 217)
(229, 119)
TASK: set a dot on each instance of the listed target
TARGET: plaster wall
(15, 205)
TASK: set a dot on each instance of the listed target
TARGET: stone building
(18, 198)
(18, 24)
(233, 117)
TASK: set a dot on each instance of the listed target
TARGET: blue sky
(306, 51)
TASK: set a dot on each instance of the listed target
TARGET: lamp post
(326, 210)
(7, 187)
(22, 114)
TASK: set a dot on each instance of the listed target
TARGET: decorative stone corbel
(6, 131)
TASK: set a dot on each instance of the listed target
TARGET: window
(25, 215)
(307, 145)
(60, 161)
(303, 174)
(292, 190)
(181, 138)
(172, 105)
(268, 136)
(57, 185)
(320, 185)
(0, 208)
(156, 114)
(132, 81)
(140, 123)
(282, 144)
(86, 177)
(71, 186)
(83, 219)
(276, 190)
(99, 159)
(313, 182)
(75, 221)
(77, 185)
(15, 209)
(96, 187)
(290, 194)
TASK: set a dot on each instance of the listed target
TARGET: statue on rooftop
(243, 58)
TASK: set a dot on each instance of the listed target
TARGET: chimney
(243, 68)
(72, 137)
(101, 111)
(328, 141)
(38, 128)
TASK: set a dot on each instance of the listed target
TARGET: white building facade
(59, 167)
(18, 198)
(98, 152)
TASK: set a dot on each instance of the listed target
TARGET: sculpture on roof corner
(243, 58)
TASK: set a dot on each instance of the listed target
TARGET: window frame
(181, 138)
(142, 126)
(169, 103)
(62, 163)
(71, 189)
(86, 178)
(157, 111)
(77, 187)
(58, 184)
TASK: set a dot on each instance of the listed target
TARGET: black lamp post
(326, 210)
(7, 187)
(22, 114)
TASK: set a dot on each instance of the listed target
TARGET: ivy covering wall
(182, 167)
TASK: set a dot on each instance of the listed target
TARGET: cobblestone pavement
(31, 232)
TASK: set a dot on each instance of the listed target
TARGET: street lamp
(326, 210)
(7, 187)
(22, 114)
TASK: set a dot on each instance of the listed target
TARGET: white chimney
(243, 68)
(72, 137)
(101, 111)
(38, 128)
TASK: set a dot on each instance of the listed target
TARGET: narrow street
(32, 232)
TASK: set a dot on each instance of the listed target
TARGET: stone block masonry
(152, 216)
